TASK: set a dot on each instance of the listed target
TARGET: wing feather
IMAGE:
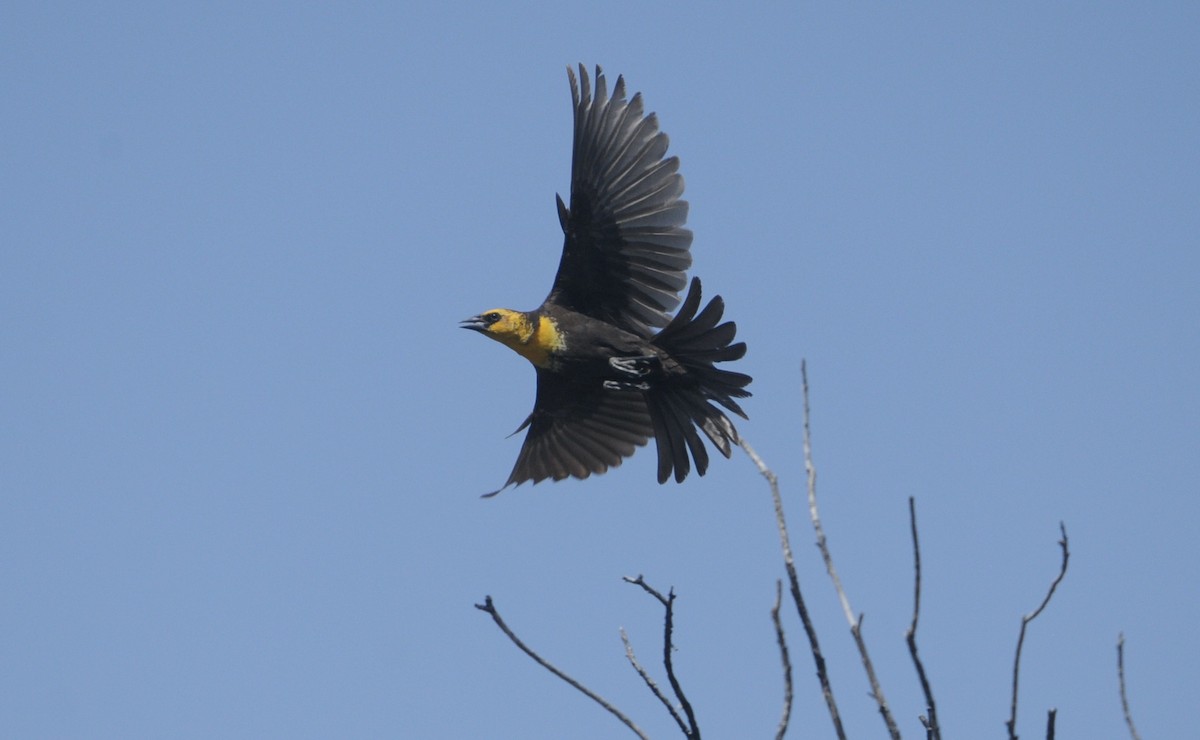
(625, 251)
(576, 430)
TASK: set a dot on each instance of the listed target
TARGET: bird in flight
(613, 367)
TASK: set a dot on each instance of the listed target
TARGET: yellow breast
(541, 343)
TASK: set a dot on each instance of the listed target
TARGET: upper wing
(578, 430)
(626, 255)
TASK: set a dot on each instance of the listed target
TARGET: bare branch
(1133, 733)
(490, 608)
(1025, 620)
(928, 727)
(651, 683)
(1050, 717)
(855, 623)
(932, 731)
(787, 663)
(794, 586)
(668, 602)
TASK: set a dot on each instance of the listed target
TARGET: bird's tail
(682, 402)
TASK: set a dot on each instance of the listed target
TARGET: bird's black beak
(475, 322)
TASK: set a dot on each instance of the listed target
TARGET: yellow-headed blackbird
(613, 367)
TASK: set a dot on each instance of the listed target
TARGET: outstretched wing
(577, 430)
(625, 255)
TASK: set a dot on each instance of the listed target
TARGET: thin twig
(932, 731)
(794, 586)
(651, 683)
(668, 602)
(1133, 733)
(490, 608)
(1025, 620)
(855, 623)
(1050, 717)
(787, 663)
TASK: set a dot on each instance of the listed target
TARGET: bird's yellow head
(504, 325)
(531, 335)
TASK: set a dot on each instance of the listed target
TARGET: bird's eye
(491, 317)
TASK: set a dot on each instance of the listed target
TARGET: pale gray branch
(789, 564)
(651, 683)
(822, 544)
(691, 731)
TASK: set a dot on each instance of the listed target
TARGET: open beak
(475, 322)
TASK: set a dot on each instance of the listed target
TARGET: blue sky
(245, 439)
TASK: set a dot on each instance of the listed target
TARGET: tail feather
(681, 411)
(721, 354)
(670, 435)
(684, 401)
(688, 326)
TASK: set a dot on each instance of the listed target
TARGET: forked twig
(932, 730)
(787, 663)
(691, 730)
(822, 544)
(1133, 733)
(650, 682)
(1025, 620)
(490, 608)
(789, 564)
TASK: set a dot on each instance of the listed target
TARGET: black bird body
(613, 368)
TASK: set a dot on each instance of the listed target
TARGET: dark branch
(787, 663)
(1133, 733)
(1025, 620)
(855, 623)
(932, 731)
(1050, 717)
(490, 608)
(794, 586)
(651, 683)
(668, 602)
